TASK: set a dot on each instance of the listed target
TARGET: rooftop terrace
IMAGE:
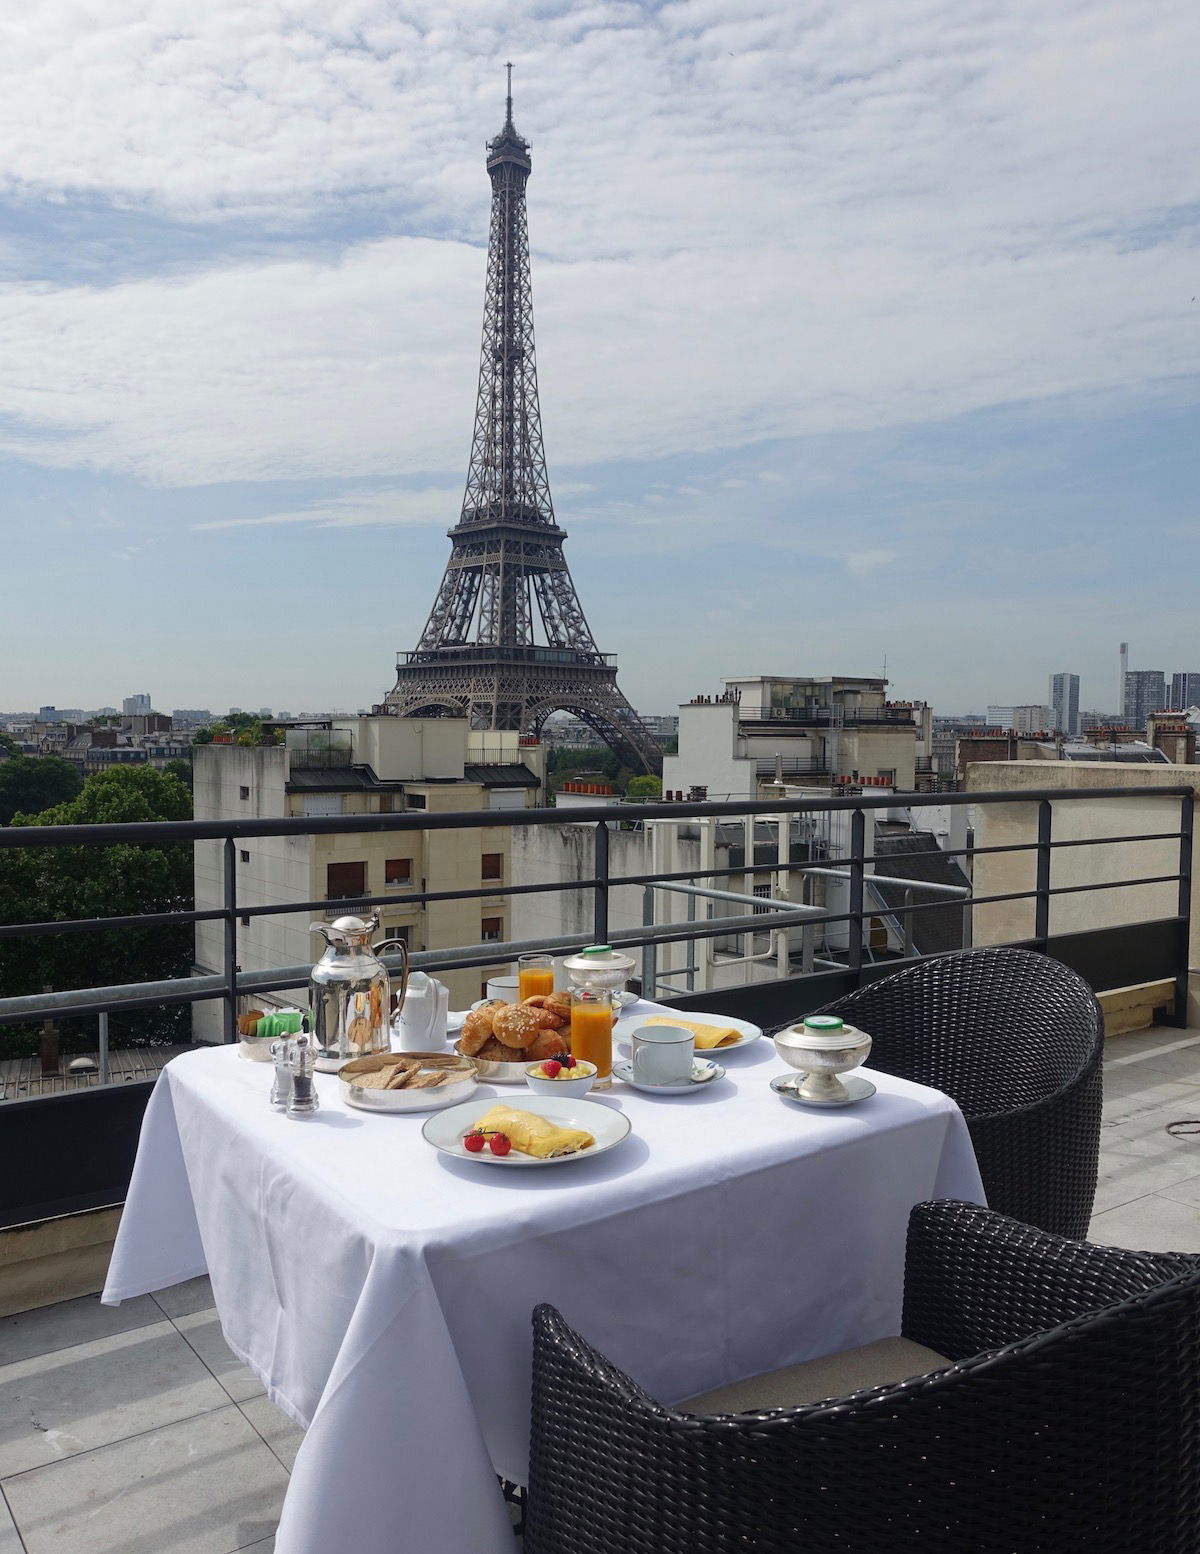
(134, 1431)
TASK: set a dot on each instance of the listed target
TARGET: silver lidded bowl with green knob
(599, 966)
(820, 1048)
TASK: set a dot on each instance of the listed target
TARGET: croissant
(545, 1045)
(477, 1027)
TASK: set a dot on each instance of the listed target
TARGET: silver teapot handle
(387, 944)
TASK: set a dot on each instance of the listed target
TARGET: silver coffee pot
(350, 991)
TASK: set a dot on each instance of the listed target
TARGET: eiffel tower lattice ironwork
(507, 641)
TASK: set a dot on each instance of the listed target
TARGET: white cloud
(811, 218)
(432, 506)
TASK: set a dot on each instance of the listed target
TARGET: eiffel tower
(507, 641)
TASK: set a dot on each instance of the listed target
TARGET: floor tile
(180, 1300)
(202, 1486)
(70, 1322)
(1176, 1054)
(1187, 1191)
(53, 1406)
(280, 1434)
(1137, 1092)
(1151, 1224)
(10, 1543)
(203, 1331)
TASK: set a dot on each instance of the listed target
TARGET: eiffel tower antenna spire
(507, 642)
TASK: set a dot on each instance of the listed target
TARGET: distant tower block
(507, 641)
(1123, 693)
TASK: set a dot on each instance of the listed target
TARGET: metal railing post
(231, 967)
(1041, 908)
(649, 951)
(600, 909)
(1187, 806)
(906, 900)
(102, 1021)
(858, 833)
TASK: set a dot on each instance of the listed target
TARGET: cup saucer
(704, 1071)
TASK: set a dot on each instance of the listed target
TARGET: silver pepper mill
(303, 1101)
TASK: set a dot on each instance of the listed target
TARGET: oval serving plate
(607, 1126)
(747, 1032)
(460, 1083)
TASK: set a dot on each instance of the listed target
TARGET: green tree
(643, 788)
(32, 782)
(57, 884)
(8, 743)
(182, 770)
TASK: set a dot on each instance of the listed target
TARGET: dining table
(382, 1291)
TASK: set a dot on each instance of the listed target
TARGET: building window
(345, 879)
(243, 793)
(385, 803)
(492, 866)
(762, 891)
(398, 871)
(491, 928)
(415, 800)
(244, 855)
(245, 922)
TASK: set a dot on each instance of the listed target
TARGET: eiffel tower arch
(507, 642)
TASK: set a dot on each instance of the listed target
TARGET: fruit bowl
(583, 1077)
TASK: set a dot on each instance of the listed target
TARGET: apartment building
(821, 730)
(358, 766)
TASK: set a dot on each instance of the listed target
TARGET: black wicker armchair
(1016, 1039)
(1064, 1420)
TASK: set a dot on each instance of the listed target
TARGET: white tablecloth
(383, 1292)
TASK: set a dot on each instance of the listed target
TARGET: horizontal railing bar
(95, 924)
(960, 892)
(401, 898)
(161, 832)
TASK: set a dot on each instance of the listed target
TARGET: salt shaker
(303, 1101)
(281, 1090)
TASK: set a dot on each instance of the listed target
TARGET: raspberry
(474, 1142)
(499, 1144)
(551, 1069)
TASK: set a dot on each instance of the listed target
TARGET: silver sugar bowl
(821, 1048)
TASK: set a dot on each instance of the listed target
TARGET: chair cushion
(832, 1376)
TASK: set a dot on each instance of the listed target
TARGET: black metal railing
(76, 1149)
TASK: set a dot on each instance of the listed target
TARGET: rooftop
(133, 1430)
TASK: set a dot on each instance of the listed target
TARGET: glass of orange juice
(535, 974)
(591, 1031)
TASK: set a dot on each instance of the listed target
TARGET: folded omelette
(707, 1036)
(533, 1134)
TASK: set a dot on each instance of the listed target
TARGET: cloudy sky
(866, 329)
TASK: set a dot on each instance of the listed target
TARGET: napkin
(533, 1134)
(707, 1036)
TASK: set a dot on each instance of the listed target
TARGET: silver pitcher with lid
(350, 991)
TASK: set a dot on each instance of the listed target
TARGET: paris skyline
(859, 334)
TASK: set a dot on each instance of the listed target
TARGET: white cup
(506, 989)
(662, 1054)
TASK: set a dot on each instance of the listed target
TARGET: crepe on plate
(533, 1134)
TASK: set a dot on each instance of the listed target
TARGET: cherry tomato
(499, 1144)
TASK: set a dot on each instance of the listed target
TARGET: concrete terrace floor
(134, 1431)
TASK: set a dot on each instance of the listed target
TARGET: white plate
(704, 1071)
(445, 1130)
(456, 1019)
(746, 1031)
